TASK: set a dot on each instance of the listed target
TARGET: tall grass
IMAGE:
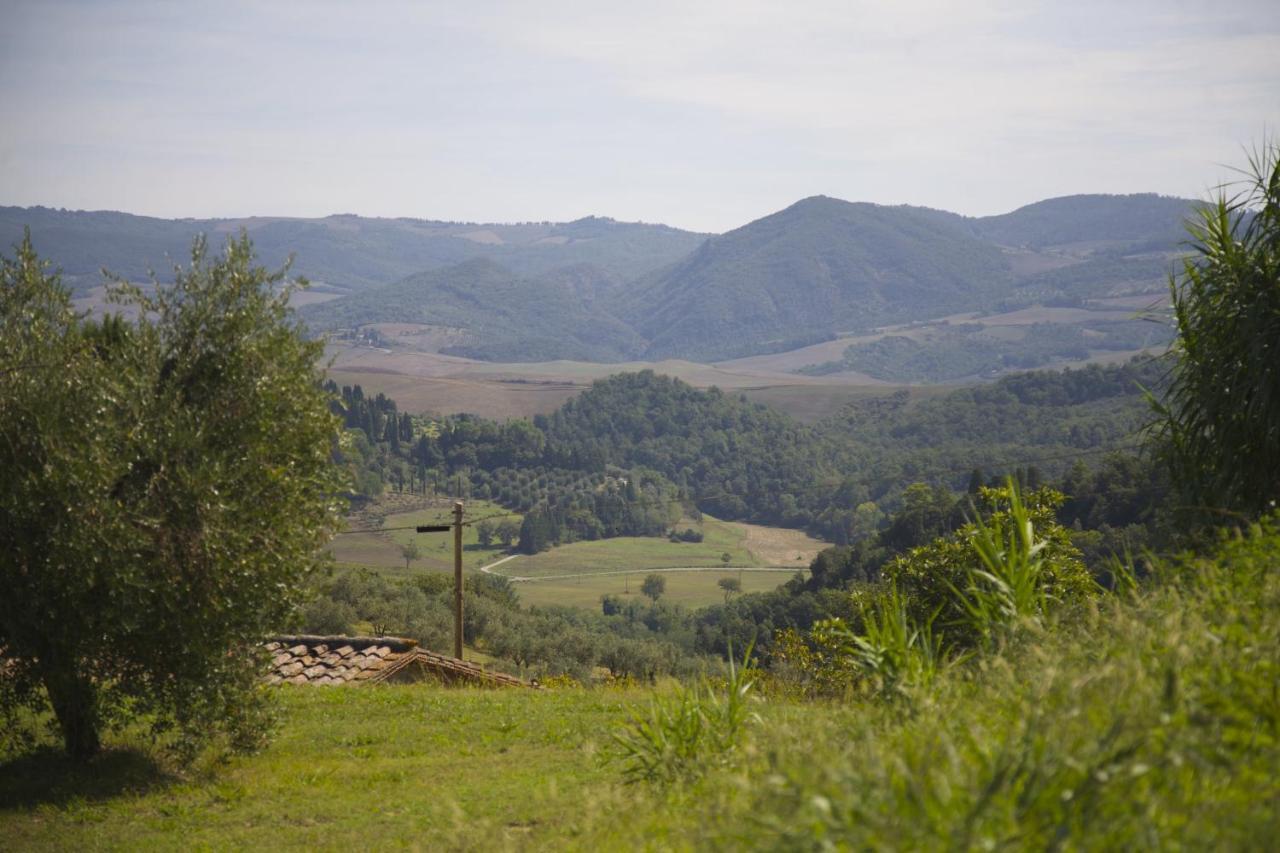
(1147, 720)
(684, 735)
(893, 654)
(1008, 589)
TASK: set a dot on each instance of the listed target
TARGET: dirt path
(486, 569)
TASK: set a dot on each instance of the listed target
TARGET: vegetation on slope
(1148, 719)
(954, 352)
(1145, 719)
(346, 251)
(1139, 221)
(821, 265)
(498, 314)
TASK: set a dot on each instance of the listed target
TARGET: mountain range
(600, 290)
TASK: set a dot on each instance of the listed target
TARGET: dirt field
(779, 546)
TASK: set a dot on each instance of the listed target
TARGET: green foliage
(995, 570)
(502, 315)
(168, 484)
(881, 652)
(348, 253)
(820, 265)
(653, 586)
(1008, 589)
(1148, 721)
(954, 352)
(685, 735)
(730, 586)
(536, 642)
(1219, 424)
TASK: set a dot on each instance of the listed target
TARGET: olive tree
(1219, 424)
(654, 586)
(167, 486)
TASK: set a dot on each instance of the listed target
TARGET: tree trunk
(75, 703)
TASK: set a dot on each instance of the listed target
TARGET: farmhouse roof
(305, 659)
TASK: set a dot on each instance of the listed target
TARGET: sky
(701, 115)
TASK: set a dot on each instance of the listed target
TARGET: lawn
(351, 768)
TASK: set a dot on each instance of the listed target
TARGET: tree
(168, 484)
(507, 532)
(484, 533)
(1219, 422)
(730, 586)
(410, 553)
(654, 586)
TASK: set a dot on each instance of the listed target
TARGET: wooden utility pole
(457, 571)
(457, 580)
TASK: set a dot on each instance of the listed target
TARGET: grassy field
(1144, 721)
(618, 566)
(352, 768)
(692, 589)
(580, 573)
(594, 568)
(381, 551)
(637, 553)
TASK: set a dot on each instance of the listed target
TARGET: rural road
(522, 579)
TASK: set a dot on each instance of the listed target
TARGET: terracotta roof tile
(347, 660)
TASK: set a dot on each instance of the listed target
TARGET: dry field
(779, 546)
(429, 382)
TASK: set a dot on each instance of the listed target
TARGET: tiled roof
(371, 660)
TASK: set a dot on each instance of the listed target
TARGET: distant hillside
(348, 253)
(820, 265)
(1146, 221)
(492, 313)
(603, 290)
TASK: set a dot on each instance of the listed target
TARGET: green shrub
(1033, 559)
(686, 734)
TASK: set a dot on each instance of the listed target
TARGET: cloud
(703, 114)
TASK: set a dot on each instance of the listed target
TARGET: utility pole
(457, 571)
(457, 580)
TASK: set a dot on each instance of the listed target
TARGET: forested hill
(345, 252)
(491, 312)
(743, 460)
(735, 458)
(1143, 220)
(821, 264)
(602, 290)
(814, 270)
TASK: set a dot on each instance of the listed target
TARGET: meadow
(1146, 720)
(579, 574)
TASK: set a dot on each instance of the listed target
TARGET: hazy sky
(700, 115)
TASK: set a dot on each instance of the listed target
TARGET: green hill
(346, 252)
(1141, 220)
(821, 265)
(607, 291)
(495, 313)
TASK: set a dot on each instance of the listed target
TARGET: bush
(685, 735)
(1019, 550)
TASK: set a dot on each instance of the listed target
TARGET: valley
(581, 573)
(411, 369)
